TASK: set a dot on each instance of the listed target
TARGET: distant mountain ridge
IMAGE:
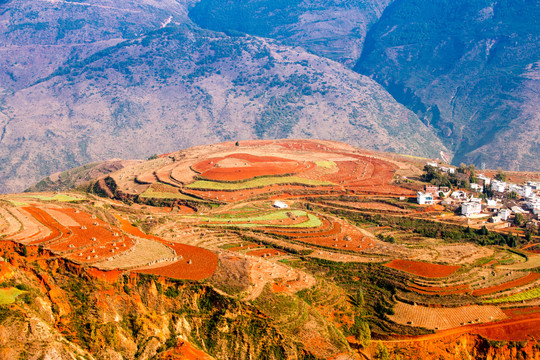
(177, 86)
(83, 82)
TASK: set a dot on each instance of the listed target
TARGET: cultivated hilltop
(261, 249)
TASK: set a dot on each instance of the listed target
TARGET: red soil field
(95, 243)
(507, 285)
(266, 252)
(304, 145)
(520, 328)
(515, 312)
(196, 264)
(43, 217)
(184, 351)
(249, 166)
(110, 276)
(424, 269)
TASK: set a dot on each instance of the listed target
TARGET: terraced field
(343, 247)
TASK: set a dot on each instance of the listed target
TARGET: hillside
(269, 249)
(180, 86)
(471, 72)
(333, 29)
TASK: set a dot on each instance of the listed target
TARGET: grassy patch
(57, 197)
(8, 295)
(327, 164)
(150, 193)
(18, 203)
(256, 183)
(523, 296)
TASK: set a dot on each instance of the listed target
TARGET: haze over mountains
(83, 81)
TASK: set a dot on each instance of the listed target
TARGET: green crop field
(8, 295)
(150, 193)
(255, 183)
(274, 215)
(326, 164)
(523, 296)
(57, 197)
(243, 222)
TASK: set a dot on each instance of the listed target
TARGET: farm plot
(143, 253)
(440, 290)
(533, 293)
(238, 167)
(195, 264)
(256, 183)
(266, 253)
(444, 318)
(189, 262)
(423, 269)
(31, 229)
(92, 241)
(527, 279)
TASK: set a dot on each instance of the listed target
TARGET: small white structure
(424, 198)
(504, 214)
(448, 170)
(280, 204)
(484, 179)
(471, 208)
(498, 186)
(432, 164)
(459, 195)
(477, 187)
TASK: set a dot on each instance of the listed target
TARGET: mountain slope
(470, 71)
(335, 29)
(180, 86)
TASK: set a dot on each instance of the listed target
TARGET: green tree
(501, 176)
(519, 219)
(382, 352)
(361, 332)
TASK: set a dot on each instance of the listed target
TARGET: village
(480, 199)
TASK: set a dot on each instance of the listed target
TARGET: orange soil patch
(111, 276)
(350, 239)
(56, 230)
(184, 351)
(196, 263)
(237, 167)
(515, 312)
(266, 252)
(424, 269)
(521, 328)
(93, 241)
(507, 285)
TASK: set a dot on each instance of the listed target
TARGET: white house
(485, 180)
(504, 214)
(491, 203)
(433, 164)
(471, 208)
(280, 204)
(498, 186)
(449, 170)
(424, 198)
(459, 195)
(477, 187)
